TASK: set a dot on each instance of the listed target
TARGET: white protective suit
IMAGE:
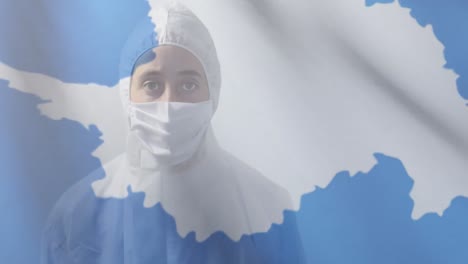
(204, 209)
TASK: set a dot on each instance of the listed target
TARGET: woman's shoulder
(253, 179)
(78, 204)
(71, 200)
(259, 190)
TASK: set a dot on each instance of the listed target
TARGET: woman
(175, 196)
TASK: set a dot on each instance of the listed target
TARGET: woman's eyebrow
(190, 72)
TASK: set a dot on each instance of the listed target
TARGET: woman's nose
(169, 94)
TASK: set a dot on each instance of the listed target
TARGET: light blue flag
(339, 132)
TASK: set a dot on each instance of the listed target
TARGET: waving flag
(356, 110)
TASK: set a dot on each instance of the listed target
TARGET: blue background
(361, 219)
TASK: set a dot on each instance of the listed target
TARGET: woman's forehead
(168, 58)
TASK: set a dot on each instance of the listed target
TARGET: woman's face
(175, 75)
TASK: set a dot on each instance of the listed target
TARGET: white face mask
(172, 131)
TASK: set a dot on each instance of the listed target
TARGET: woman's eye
(189, 86)
(152, 86)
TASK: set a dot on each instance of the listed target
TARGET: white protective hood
(212, 191)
